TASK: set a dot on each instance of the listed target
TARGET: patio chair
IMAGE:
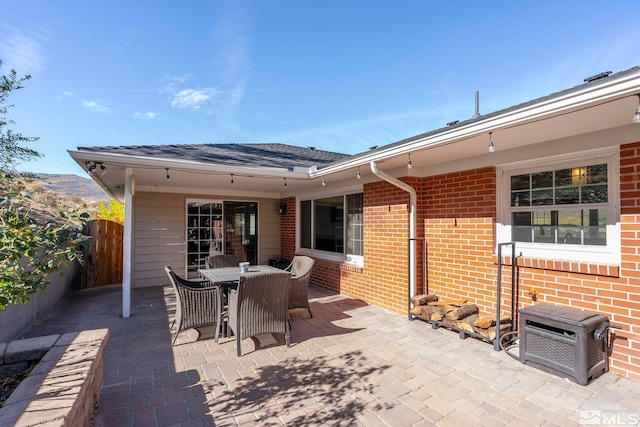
(218, 261)
(198, 304)
(300, 269)
(259, 306)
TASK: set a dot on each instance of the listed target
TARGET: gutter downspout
(412, 223)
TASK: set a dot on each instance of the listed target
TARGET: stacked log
(459, 314)
(423, 299)
(486, 325)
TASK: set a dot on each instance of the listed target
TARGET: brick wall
(386, 231)
(624, 294)
(459, 211)
(456, 215)
(288, 228)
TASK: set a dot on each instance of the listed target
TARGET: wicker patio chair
(259, 306)
(218, 261)
(198, 304)
(300, 269)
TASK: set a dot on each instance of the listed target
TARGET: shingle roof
(236, 154)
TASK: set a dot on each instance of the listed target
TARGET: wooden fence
(103, 257)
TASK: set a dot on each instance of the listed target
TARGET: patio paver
(351, 364)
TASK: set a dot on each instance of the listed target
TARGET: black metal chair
(198, 304)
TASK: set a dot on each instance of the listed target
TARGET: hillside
(73, 186)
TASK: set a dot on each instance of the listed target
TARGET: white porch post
(127, 242)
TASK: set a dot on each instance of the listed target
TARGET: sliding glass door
(241, 230)
(217, 227)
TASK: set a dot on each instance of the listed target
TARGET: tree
(115, 211)
(11, 150)
(33, 245)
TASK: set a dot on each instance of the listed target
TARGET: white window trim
(355, 260)
(611, 253)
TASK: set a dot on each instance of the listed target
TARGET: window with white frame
(563, 208)
(333, 224)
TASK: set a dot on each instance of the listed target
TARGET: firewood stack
(459, 314)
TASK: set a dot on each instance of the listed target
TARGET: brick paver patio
(351, 364)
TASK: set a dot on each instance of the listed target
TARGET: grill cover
(560, 340)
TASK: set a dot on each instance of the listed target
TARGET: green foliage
(11, 149)
(31, 246)
(33, 243)
(114, 212)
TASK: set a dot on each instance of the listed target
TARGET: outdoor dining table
(228, 277)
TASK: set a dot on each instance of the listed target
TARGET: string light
(358, 174)
(231, 179)
(491, 147)
(323, 183)
(409, 165)
(92, 166)
(168, 177)
(285, 183)
(636, 116)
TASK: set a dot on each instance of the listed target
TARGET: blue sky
(337, 75)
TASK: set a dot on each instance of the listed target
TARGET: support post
(127, 242)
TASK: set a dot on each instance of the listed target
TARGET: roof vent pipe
(477, 113)
(412, 221)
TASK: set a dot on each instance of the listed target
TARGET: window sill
(343, 262)
(582, 267)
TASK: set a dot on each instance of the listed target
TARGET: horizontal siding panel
(165, 235)
(158, 218)
(172, 258)
(159, 226)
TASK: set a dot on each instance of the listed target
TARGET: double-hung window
(564, 208)
(332, 227)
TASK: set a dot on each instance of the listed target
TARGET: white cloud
(20, 52)
(195, 98)
(145, 116)
(94, 106)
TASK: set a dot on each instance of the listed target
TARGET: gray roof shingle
(233, 154)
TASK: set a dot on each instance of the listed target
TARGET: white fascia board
(601, 93)
(124, 160)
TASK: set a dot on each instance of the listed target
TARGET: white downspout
(412, 221)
